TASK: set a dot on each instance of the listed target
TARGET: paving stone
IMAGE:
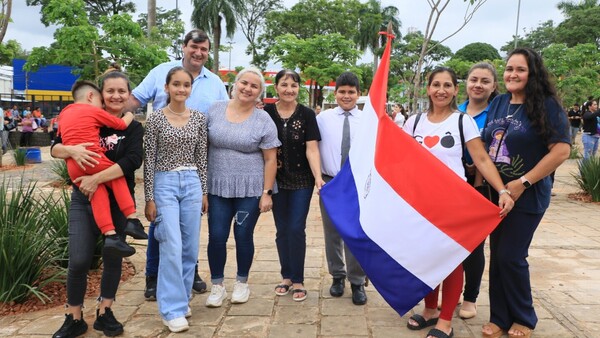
(254, 307)
(344, 326)
(244, 326)
(293, 331)
(296, 315)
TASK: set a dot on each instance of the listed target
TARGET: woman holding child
(125, 149)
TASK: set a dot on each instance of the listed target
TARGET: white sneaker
(217, 295)
(188, 314)
(177, 324)
(241, 293)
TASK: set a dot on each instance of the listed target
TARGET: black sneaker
(199, 286)
(71, 327)
(135, 229)
(115, 246)
(107, 323)
(150, 290)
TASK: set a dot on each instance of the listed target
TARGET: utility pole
(517, 29)
(230, 43)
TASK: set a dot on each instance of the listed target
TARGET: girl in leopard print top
(175, 192)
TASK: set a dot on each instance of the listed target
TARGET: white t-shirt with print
(443, 139)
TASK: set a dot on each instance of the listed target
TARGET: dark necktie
(345, 138)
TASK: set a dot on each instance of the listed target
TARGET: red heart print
(431, 141)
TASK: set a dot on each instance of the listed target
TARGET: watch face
(526, 184)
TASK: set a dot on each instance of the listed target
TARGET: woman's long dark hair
(537, 89)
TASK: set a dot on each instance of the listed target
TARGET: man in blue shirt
(206, 89)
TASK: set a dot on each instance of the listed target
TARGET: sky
(494, 23)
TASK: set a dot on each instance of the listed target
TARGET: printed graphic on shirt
(507, 165)
(109, 142)
(446, 141)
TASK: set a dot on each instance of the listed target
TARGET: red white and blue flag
(407, 218)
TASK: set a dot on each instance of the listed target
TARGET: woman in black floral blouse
(298, 170)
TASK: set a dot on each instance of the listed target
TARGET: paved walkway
(565, 269)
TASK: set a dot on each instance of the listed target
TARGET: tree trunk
(216, 44)
(5, 20)
(151, 15)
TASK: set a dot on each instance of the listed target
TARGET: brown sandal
(495, 329)
(521, 328)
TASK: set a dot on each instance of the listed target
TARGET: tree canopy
(95, 8)
(477, 51)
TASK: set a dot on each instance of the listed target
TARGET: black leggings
(83, 235)
(473, 265)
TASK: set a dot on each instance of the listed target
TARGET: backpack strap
(462, 136)
(416, 121)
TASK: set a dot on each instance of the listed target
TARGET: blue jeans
(290, 208)
(574, 131)
(590, 145)
(222, 211)
(152, 253)
(178, 198)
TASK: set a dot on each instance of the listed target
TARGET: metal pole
(230, 49)
(517, 29)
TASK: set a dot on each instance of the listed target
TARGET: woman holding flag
(534, 141)
(438, 130)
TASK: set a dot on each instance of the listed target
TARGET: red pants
(100, 203)
(451, 289)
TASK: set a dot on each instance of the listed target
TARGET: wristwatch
(268, 192)
(525, 182)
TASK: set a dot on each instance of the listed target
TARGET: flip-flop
(421, 321)
(440, 334)
(282, 286)
(496, 331)
(299, 299)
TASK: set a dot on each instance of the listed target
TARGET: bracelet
(504, 191)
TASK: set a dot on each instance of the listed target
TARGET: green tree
(406, 58)
(252, 20)
(10, 50)
(374, 19)
(320, 58)
(168, 30)
(477, 51)
(437, 9)
(308, 18)
(95, 8)
(576, 70)
(537, 38)
(89, 49)
(582, 23)
(208, 15)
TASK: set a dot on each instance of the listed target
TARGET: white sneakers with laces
(217, 295)
(241, 293)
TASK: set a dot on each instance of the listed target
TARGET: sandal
(299, 291)
(495, 329)
(526, 332)
(422, 323)
(440, 334)
(285, 287)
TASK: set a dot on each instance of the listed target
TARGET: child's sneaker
(135, 229)
(115, 246)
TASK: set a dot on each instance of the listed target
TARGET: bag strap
(462, 137)
(416, 121)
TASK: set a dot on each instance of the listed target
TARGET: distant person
(575, 117)
(591, 136)
(317, 110)
(207, 89)
(26, 130)
(397, 115)
(81, 123)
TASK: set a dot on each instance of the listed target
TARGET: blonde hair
(252, 70)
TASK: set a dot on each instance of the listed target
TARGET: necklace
(510, 116)
(174, 112)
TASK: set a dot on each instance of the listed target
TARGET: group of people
(204, 152)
